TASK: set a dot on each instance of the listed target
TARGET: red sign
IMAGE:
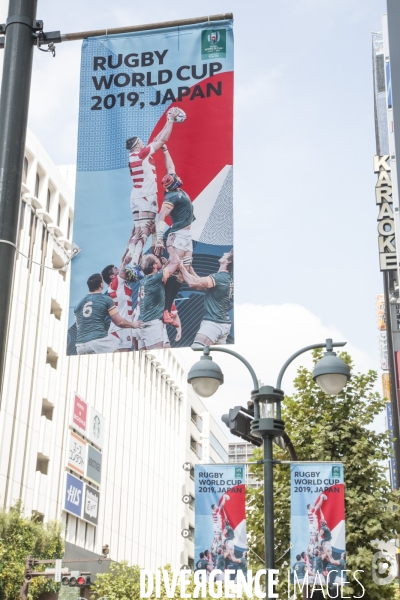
(79, 415)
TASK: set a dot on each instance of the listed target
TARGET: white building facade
(142, 399)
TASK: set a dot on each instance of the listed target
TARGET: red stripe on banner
(332, 509)
(235, 508)
(198, 157)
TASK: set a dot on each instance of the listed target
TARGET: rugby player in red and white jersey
(121, 293)
(313, 521)
(217, 512)
(143, 199)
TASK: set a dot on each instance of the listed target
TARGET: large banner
(317, 523)
(220, 518)
(153, 209)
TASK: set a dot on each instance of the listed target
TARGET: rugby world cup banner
(318, 545)
(153, 208)
(220, 518)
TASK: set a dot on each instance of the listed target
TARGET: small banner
(220, 518)
(153, 205)
(318, 545)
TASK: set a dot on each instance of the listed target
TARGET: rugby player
(143, 199)
(229, 537)
(121, 293)
(218, 287)
(220, 564)
(90, 313)
(178, 206)
(152, 300)
(312, 513)
(300, 569)
(178, 325)
(317, 565)
(326, 542)
(203, 565)
(242, 563)
(216, 513)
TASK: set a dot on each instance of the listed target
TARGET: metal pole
(268, 505)
(392, 379)
(81, 35)
(14, 103)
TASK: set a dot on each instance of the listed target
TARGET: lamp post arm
(206, 350)
(328, 345)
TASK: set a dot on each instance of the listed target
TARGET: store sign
(386, 228)
(383, 351)
(91, 505)
(73, 498)
(76, 458)
(95, 427)
(93, 465)
(380, 307)
(79, 414)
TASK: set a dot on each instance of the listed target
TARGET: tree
(20, 537)
(122, 582)
(339, 428)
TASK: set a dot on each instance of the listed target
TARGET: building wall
(140, 395)
(143, 397)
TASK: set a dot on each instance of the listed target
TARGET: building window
(219, 449)
(25, 170)
(191, 533)
(48, 201)
(37, 184)
(191, 563)
(59, 215)
(196, 447)
(69, 228)
(198, 421)
(192, 473)
(42, 464)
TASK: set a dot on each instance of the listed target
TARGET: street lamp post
(331, 374)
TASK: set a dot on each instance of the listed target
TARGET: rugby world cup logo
(214, 37)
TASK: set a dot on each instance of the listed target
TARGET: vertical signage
(220, 517)
(93, 465)
(386, 227)
(155, 134)
(79, 414)
(76, 458)
(91, 505)
(73, 498)
(95, 427)
(380, 308)
(392, 464)
(317, 523)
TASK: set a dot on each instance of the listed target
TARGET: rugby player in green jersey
(300, 569)
(152, 300)
(178, 207)
(218, 288)
(241, 562)
(90, 314)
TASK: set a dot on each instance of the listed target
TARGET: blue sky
(305, 214)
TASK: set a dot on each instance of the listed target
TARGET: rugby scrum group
(160, 277)
(317, 562)
(222, 555)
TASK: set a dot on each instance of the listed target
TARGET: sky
(306, 249)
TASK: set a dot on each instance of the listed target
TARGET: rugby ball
(180, 117)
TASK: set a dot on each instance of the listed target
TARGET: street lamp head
(331, 373)
(205, 377)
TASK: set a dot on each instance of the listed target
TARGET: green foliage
(339, 428)
(21, 536)
(123, 583)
